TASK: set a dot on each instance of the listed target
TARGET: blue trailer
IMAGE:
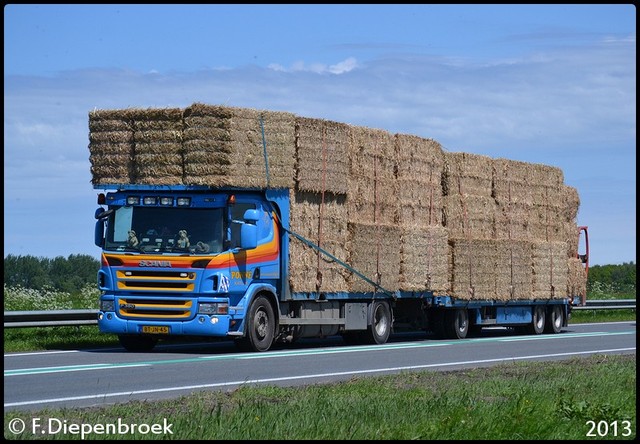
(214, 262)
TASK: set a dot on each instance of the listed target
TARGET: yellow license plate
(155, 329)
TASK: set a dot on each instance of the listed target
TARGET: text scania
(165, 264)
(54, 426)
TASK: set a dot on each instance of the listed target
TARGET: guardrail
(50, 318)
(54, 318)
(607, 304)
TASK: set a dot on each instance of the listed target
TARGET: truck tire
(555, 319)
(456, 323)
(380, 328)
(137, 343)
(260, 329)
(539, 320)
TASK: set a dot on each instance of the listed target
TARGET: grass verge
(519, 401)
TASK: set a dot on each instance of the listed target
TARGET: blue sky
(552, 84)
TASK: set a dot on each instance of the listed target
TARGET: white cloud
(342, 67)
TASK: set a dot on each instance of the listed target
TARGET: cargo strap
(345, 265)
(264, 149)
(321, 218)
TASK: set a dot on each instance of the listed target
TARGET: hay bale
(157, 136)
(469, 216)
(419, 181)
(513, 221)
(514, 275)
(231, 141)
(467, 173)
(473, 266)
(549, 270)
(576, 278)
(372, 186)
(322, 155)
(424, 260)
(111, 146)
(325, 224)
(374, 251)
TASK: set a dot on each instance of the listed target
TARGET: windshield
(171, 230)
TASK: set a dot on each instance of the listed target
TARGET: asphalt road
(82, 378)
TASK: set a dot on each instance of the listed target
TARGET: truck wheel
(539, 319)
(456, 323)
(380, 328)
(555, 319)
(260, 326)
(136, 343)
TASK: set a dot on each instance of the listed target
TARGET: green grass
(519, 401)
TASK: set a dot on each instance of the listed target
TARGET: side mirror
(248, 236)
(251, 216)
(249, 230)
(99, 233)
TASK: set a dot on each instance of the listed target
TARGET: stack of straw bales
(395, 207)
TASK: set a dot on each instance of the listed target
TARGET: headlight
(213, 308)
(107, 305)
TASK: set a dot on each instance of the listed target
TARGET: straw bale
(418, 156)
(524, 181)
(238, 132)
(322, 151)
(512, 221)
(425, 262)
(549, 270)
(372, 186)
(420, 203)
(514, 274)
(467, 173)
(571, 201)
(419, 181)
(469, 216)
(98, 126)
(375, 253)
(473, 268)
(577, 278)
(198, 109)
(325, 224)
(111, 168)
(571, 235)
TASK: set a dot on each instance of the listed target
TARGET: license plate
(155, 329)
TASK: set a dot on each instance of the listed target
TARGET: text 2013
(612, 428)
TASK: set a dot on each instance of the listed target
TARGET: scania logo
(155, 264)
(127, 306)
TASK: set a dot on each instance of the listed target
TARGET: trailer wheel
(261, 325)
(380, 328)
(539, 320)
(137, 343)
(555, 319)
(457, 323)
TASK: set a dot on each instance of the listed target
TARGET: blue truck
(198, 261)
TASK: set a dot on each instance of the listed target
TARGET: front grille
(146, 280)
(155, 308)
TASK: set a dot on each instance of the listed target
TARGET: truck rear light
(133, 200)
(166, 201)
(184, 201)
(150, 200)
